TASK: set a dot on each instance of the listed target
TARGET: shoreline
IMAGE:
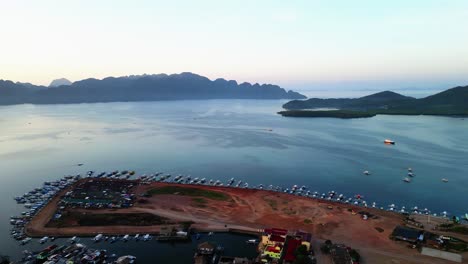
(249, 212)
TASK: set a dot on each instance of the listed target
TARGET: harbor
(330, 155)
(116, 192)
(133, 195)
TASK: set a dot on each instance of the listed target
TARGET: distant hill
(184, 86)
(59, 82)
(450, 102)
(379, 100)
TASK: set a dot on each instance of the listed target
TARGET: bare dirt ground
(251, 210)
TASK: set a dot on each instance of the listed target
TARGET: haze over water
(220, 139)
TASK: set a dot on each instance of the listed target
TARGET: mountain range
(183, 86)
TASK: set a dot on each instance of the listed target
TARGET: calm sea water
(221, 139)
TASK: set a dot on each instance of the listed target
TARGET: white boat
(74, 239)
(25, 241)
(389, 142)
(147, 237)
(137, 237)
(98, 238)
(407, 179)
(126, 259)
(252, 241)
(43, 240)
(411, 174)
(444, 180)
(125, 238)
(366, 172)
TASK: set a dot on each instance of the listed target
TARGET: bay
(241, 139)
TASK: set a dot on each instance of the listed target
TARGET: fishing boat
(43, 240)
(366, 172)
(98, 238)
(444, 180)
(389, 142)
(147, 237)
(407, 179)
(252, 241)
(25, 241)
(411, 174)
(74, 240)
(466, 217)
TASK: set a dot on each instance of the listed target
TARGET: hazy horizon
(303, 46)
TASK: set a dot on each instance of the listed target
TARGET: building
(407, 234)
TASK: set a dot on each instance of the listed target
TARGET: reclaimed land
(250, 210)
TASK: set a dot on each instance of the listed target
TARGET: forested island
(451, 102)
(184, 86)
(345, 114)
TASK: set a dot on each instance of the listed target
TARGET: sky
(300, 45)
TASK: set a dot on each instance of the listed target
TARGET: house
(407, 234)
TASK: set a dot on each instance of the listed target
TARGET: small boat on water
(411, 174)
(147, 237)
(98, 238)
(74, 240)
(407, 179)
(444, 180)
(466, 217)
(25, 241)
(389, 142)
(252, 241)
(125, 238)
(366, 172)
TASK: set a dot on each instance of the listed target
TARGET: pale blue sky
(297, 44)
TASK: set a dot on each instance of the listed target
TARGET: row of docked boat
(113, 239)
(34, 201)
(295, 190)
(76, 253)
(38, 198)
